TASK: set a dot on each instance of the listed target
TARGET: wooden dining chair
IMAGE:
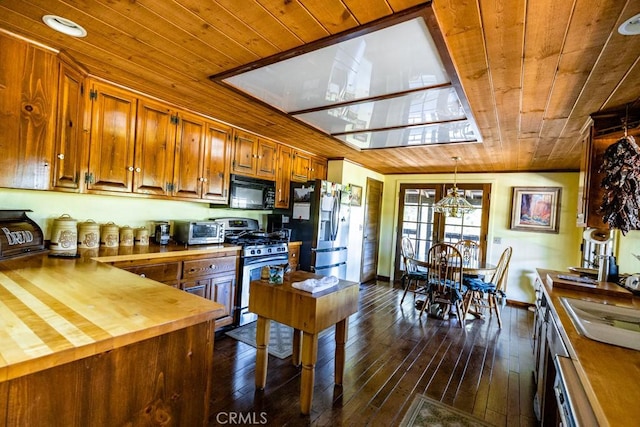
(470, 251)
(494, 288)
(444, 277)
(413, 279)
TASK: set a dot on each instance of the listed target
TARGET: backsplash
(134, 212)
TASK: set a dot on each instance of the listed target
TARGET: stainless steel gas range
(259, 249)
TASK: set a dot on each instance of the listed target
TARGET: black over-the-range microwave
(251, 193)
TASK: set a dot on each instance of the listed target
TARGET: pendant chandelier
(453, 204)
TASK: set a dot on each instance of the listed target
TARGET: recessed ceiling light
(630, 27)
(64, 26)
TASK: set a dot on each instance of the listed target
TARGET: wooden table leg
(262, 353)
(297, 342)
(309, 356)
(341, 339)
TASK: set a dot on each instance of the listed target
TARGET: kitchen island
(610, 375)
(84, 343)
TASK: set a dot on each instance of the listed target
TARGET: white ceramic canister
(126, 236)
(88, 234)
(141, 236)
(64, 236)
(109, 235)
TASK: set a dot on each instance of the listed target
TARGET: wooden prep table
(308, 314)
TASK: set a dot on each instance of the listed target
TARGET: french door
(418, 220)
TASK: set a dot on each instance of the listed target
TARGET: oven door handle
(266, 260)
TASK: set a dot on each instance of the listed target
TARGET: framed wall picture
(536, 209)
(356, 195)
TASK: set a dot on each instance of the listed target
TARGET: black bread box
(19, 235)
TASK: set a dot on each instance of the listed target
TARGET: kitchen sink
(606, 323)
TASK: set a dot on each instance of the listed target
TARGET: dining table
(475, 268)
(308, 314)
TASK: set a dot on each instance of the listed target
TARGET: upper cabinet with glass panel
(391, 86)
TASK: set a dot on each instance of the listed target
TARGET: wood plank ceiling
(533, 71)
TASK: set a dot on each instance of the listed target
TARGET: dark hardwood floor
(390, 356)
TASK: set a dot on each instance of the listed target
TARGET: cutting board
(601, 288)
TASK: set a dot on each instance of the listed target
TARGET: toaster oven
(198, 232)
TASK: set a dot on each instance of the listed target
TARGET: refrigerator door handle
(335, 215)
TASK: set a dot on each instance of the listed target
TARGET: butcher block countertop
(54, 311)
(609, 374)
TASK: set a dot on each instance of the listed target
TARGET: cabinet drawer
(209, 266)
(166, 272)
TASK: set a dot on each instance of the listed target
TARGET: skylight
(391, 87)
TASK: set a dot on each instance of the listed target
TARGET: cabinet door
(318, 169)
(267, 157)
(222, 291)
(294, 254)
(111, 146)
(300, 170)
(68, 158)
(216, 163)
(154, 148)
(283, 176)
(201, 287)
(189, 154)
(244, 158)
(28, 77)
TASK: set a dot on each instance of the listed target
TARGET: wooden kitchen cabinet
(318, 168)
(590, 192)
(215, 279)
(167, 272)
(294, 255)
(283, 176)
(300, 167)
(69, 158)
(28, 91)
(254, 156)
(154, 148)
(111, 145)
(215, 165)
(308, 168)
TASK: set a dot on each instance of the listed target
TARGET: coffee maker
(161, 233)
(277, 222)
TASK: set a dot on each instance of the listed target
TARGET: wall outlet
(497, 240)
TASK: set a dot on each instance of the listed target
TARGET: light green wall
(135, 212)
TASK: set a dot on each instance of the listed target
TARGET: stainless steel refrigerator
(319, 218)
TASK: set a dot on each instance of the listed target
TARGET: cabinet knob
(213, 266)
(143, 275)
(204, 180)
(138, 169)
(130, 168)
(61, 156)
(46, 164)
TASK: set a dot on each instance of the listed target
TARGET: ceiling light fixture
(630, 27)
(453, 204)
(391, 84)
(64, 26)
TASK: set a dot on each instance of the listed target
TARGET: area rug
(280, 338)
(425, 411)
